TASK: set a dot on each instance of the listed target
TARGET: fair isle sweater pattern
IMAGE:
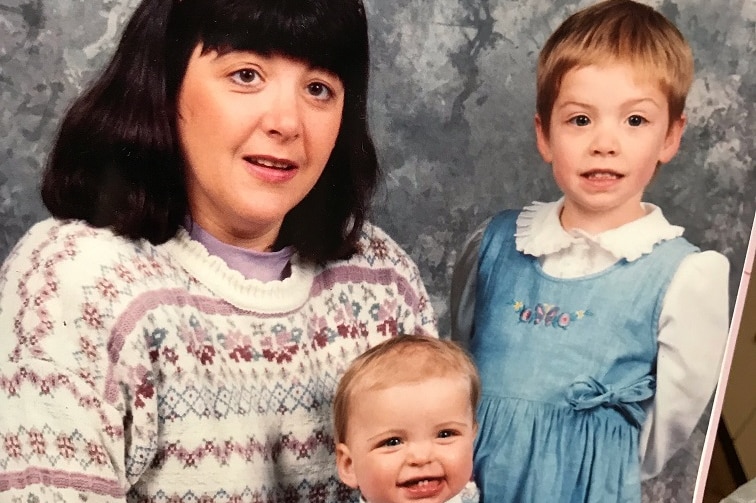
(133, 372)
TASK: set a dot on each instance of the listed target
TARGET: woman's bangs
(321, 32)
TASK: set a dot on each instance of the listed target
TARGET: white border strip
(724, 373)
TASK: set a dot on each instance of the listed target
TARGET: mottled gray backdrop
(452, 106)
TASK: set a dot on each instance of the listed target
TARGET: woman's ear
(345, 466)
(672, 141)
(542, 140)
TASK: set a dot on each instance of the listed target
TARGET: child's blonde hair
(401, 360)
(616, 31)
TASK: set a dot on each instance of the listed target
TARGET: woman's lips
(271, 170)
(269, 162)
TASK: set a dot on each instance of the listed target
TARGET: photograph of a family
(346, 251)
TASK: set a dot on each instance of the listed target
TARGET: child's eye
(245, 76)
(580, 120)
(447, 433)
(636, 120)
(391, 442)
(319, 91)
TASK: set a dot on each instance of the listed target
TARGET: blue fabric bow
(588, 393)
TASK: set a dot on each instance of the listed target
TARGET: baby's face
(410, 442)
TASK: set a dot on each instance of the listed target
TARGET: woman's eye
(580, 120)
(319, 90)
(391, 442)
(245, 76)
(636, 120)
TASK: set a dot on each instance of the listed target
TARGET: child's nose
(605, 141)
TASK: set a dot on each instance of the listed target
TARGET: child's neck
(597, 222)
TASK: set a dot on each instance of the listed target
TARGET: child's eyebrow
(574, 103)
(588, 106)
(639, 101)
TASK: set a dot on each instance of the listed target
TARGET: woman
(176, 330)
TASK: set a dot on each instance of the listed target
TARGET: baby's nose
(420, 453)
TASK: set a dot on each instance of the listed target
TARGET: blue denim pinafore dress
(568, 370)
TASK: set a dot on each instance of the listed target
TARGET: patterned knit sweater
(133, 372)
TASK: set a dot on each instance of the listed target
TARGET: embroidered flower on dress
(547, 315)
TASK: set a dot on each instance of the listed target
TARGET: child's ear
(672, 141)
(542, 140)
(345, 466)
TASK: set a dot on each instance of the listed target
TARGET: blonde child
(578, 312)
(404, 417)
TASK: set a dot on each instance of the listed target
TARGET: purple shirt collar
(262, 266)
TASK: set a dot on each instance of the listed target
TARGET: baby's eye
(580, 120)
(447, 433)
(245, 76)
(636, 120)
(391, 442)
(319, 91)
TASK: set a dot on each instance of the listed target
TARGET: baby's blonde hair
(616, 31)
(401, 360)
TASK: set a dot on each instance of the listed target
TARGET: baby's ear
(345, 465)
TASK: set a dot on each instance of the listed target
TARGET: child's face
(608, 132)
(410, 442)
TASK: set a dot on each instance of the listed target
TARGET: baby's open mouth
(422, 483)
(423, 487)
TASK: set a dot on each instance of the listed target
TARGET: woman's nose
(282, 116)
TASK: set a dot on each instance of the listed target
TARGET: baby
(404, 417)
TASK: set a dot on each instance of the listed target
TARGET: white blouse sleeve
(462, 298)
(692, 335)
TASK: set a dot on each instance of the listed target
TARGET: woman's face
(256, 132)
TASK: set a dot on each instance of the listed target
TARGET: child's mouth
(599, 174)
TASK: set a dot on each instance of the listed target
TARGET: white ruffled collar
(539, 232)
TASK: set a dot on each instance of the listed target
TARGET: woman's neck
(252, 264)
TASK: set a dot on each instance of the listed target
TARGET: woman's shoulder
(72, 250)
(377, 256)
(69, 235)
(378, 249)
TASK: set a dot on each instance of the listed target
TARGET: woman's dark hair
(117, 161)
